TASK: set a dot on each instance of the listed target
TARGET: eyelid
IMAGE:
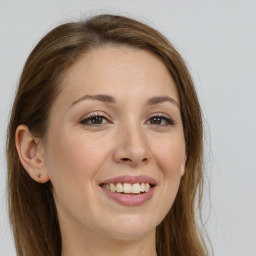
(159, 114)
(108, 118)
(94, 114)
(163, 115)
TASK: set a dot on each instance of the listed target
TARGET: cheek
(72, 162)
(171, 156)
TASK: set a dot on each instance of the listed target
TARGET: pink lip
(130, 199)
(130, 179)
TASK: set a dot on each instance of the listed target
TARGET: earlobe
(30, 154)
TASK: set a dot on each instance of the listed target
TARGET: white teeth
(112, 187)
(147, 187)
(142, 187)
(127, 188)
(119, 187)
(136, 188)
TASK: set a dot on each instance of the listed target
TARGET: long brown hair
(32, 209)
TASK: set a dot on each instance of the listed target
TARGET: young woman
(105, 145)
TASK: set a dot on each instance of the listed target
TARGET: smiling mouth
(128, 188)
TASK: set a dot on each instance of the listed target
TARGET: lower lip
(130, 199)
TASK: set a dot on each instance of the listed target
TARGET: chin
(132, 234)
(132, 228)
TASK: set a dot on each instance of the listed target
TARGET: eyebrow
(161, 99)
(109, 99)
(98, 97)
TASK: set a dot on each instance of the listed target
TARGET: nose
(131, 146)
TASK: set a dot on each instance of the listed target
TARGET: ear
(183, 166)
(30, 152)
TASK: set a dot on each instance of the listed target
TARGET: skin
(77, 157)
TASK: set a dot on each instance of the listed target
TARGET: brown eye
(97, 120)
(160, 121)
(94, 120)
(156, 120)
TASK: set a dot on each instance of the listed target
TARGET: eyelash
(163, 117)
(92, 116)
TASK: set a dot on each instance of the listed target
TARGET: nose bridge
(133, 145)
(135, 139)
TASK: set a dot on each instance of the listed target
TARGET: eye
(160, 120)
(94, 119)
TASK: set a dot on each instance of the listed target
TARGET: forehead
(120, 70)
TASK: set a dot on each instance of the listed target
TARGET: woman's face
(115, 126)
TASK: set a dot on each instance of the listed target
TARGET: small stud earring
(38, 175)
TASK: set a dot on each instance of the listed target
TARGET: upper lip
(130, 179)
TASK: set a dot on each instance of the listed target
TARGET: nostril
(125, 159)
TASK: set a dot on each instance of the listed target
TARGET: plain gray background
(218, 41)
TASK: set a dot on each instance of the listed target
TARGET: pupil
(156, 120)
(97, 120)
